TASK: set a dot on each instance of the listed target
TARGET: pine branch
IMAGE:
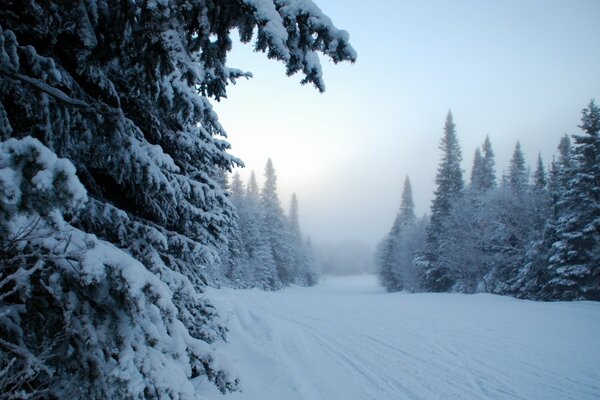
(59, 94)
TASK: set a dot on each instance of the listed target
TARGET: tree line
(532, 237)
(266, 248)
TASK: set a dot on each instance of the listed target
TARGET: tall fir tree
(294, 219)
(483, 172)
(516, 178)
(257, 244)
(449, 182)
(276, 229)
(236, 259)
(476, 171)
(565, 152)
(407, 205)
(575, 262)
(304, 272)
(386, 260)
(488, 173)
(540, 179)
(394, 257)
(449, 179)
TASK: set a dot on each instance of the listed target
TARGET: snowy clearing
(348, 339)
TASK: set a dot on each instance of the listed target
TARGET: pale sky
(516, 70)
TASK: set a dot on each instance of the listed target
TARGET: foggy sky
(514, 70)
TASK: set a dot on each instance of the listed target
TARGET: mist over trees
(113, 214)
(344, 258)
(532, 237)
(266, 247)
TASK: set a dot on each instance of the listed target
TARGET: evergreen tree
(236, 260)
(488, 173)
(518, 219)
(539, 176)
(386, 256)
(122, 91)
(395, 254)
(464, 248)
(407, 205)
(294, 220)
(565, 153)
(252, 190)
(516, 178)
(256, 241)
(483, 173)
(558, 176)
(574, 264)
(304, 272)
(449, 181)
(476, 171)
(311, 263)
(276, 230)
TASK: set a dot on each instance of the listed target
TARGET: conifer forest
(142, 258)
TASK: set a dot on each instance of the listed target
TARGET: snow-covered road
(347, 339)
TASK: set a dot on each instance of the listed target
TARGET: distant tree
(407, 205)
(464, 247)
(517, 221)
(516, 178)
(449, 181)
(312, 276)
(395, 254)
(386, 258)
(304, 269)
(476, 171)
(294, 219)
(488, 173)
(256, 241)
(574, 264)
(539, 176)
(565, 151)
(235, 259)
(276, 228)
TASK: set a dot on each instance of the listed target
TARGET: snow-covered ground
(348, 339)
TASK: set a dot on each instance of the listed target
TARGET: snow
(348, 339)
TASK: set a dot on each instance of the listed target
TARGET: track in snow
(348, 339)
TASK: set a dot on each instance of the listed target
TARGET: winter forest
(533, 236)
(137, 262)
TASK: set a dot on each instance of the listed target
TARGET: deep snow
(348, 339)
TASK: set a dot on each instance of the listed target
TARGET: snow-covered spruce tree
(558, 175)
(540, 179)
(449, 181)
(304, 270)
(276, 227)
(519, 213)
(386, 261)
(256, 243)
(395, 254)
(80, 318)
(565, 153)
(517, 178)
(464, 247)
(488, 174)
(476, 170)
(483, 173)
(121, 90)
(236, 261)
(407, 205)
(575, 262)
